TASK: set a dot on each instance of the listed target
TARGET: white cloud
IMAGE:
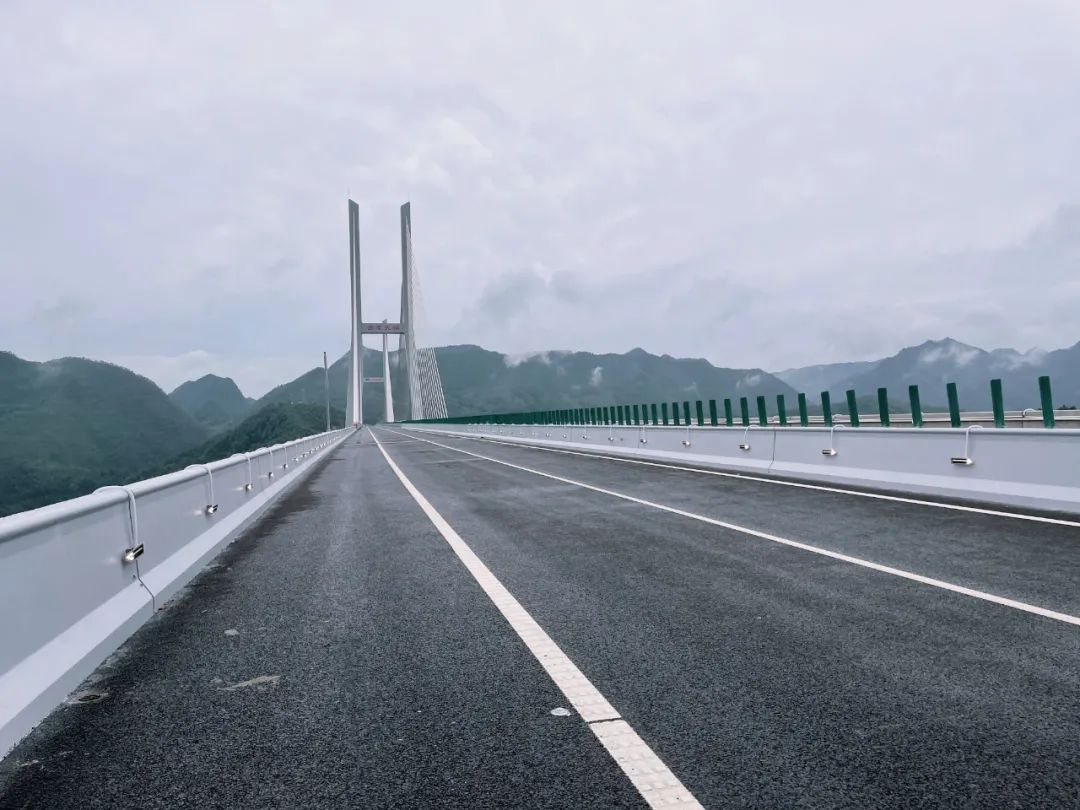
(700, 179)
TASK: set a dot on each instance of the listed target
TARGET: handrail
(21, 523)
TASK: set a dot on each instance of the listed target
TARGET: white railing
(78, 577)
(1029, 468)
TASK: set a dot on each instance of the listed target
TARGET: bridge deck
(761, 674)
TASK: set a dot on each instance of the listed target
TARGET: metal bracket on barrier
(966, 460)
(686, 441)
(250, 485)
(135, 550)
(211, 507)
(641, 435)
(831, 449)
(270, 450)
(745, 443)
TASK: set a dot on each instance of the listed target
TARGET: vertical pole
(713, 420)
(645, 415)
(883, 406)
(954, 404)
(804, 417)
(686, 411)
(826, 408)
(699, 412)
(637, 416)
(663, 410)
(729, 418)
(998, 403)
(916, 405)
(853, 408)
(407, 348)
(388, 393)
(652, 411)
(762, 412)
(675, 412)
(744, 410)
(326, 376)
(356, 350)
(1047, 399)
(781, 409)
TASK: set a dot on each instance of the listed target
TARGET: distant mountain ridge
(932, 364)
(214, 402)
(478, 381)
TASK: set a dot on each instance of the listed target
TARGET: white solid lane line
(885, 569)
(654, 781)
(880, 496)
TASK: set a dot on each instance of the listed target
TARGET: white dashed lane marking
(653, 779)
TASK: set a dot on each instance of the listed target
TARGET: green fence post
(997, 401)
(804, 417)
(1047, 398)
(645, 414)
(712, 413)
(686, 412)
(652, 409)
(675, 413)
(954, 404)
(729, 417)
(781, 411)
(826, 408)
(699, 412)
(916, 405)
(637, 416)
(744, 410)
(853, 407)
(762, 414)
(883, 407)
(663, 410)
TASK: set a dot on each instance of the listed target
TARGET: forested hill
(71, 425)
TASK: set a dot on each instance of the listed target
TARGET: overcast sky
(762, 184)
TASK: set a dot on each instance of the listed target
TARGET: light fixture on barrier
(133, 553)
(831, 449)
(966, 460)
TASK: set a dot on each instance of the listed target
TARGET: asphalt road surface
(473, 624)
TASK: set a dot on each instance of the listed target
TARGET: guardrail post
(712, 413)
(916, 405)
(954, 404)
(637, 416)
(853, 408)
(686, 411)
(675, 413)
(762, 413)
(883, 406)
(804, 417)
(663, 410)
(997, 402)
(744, 410)
(781, 410)
(729, 418)
(699, 412)
(652, 409)
(826, 408)
(1047, 399)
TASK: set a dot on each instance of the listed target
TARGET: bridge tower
(417, 365)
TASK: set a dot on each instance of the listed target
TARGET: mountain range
(70, 425)
(934, 363)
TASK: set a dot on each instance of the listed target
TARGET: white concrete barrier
(68, 597)
(1025, 468)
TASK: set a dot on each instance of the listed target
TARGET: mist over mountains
(934, 363)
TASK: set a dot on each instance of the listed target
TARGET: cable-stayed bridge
(678, 604)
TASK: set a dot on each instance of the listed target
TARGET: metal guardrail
(80, 576)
